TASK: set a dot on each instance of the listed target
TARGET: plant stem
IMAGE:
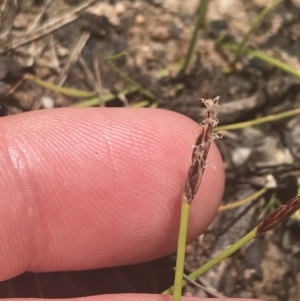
(224, 254)
(106, 98)
(253, 27)
(63, 90)
(200, 24)
(140, 104)
(184, 217)
(249, 199)
(271, 204)
(264, 57)
(192, 184)
(258, 121)
(274, 62)
(269, 222)
(202, 13)
(126, 78)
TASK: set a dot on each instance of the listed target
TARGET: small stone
(240, 155)
(47, 102)
(139, 19)
(160, 33)
(119, 8)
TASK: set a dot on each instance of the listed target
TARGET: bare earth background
(66, 42)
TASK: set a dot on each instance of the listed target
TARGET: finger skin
(136, 297)
(88, 188)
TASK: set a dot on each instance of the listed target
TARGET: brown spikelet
(201, 148)
(278, 215)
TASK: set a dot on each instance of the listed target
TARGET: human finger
(88, 188)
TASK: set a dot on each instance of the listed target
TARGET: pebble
(139, 19)
(240, 155)
(47, 102)
(119, 8)
(160, 33)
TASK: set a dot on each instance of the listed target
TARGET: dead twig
(48, 27)
(73, 57)
(87, 72)
(98, 82)
(204, 286)
(36, 22)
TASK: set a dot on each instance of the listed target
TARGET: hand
(90, 188)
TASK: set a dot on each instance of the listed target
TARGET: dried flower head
(201, 148)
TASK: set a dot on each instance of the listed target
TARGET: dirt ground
(66, 42)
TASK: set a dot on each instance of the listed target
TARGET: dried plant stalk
(201, 148)
(279, 215)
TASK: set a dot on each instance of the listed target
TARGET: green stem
(253, 27)
(93, 101)
(258, 121)
(271, 204)
(106, 98)
(184, 217)
(249, 199)
(202, 14)
(274, 62)
(63, 90)
(224, 254)
(126, 78)
(264, 57)
(200, 24)
(140, 104)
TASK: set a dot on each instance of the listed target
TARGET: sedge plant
(192, 184)
(270, 221)
(191, 187)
